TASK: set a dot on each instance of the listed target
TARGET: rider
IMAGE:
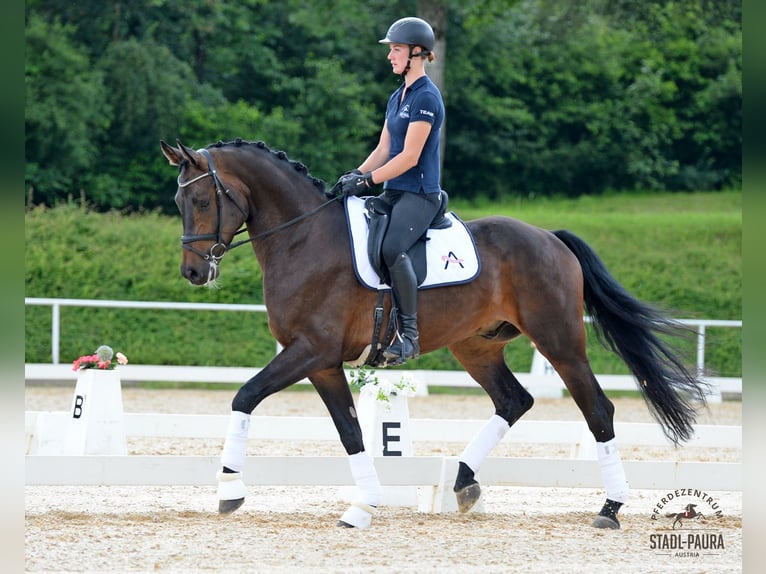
(406, 161)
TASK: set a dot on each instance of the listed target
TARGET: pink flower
(100, 360)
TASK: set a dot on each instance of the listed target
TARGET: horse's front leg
(332, 386)
(291, 365)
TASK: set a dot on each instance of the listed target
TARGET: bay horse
(533, 282)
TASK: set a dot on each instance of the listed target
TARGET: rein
(219, 248)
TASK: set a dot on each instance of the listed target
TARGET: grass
(679, 251)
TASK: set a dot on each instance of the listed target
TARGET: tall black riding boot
(404, 284)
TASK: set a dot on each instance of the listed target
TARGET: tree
(65, 111)
(541, 96)
(572, 98)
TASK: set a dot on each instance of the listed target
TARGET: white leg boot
(359, 514)
(231, 488)
(467, 489)
(613, 473)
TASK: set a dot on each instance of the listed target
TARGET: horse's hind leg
(483, 360)
(332, 387)
(567, 355)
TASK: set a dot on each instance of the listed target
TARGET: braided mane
(296, 165)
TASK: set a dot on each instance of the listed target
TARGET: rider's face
(397, 55)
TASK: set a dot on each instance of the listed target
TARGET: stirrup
(398, 356)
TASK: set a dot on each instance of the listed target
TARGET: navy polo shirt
(422, 103)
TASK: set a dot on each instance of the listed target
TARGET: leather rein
(220, 247)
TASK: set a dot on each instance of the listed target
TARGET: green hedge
(681, 252)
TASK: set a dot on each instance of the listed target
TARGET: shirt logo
(405, 113)
(426, 113)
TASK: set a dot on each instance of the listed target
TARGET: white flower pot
(386, 432)
(385, 425)
(96, 420)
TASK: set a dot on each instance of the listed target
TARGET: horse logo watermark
(684, 530)
(689, 513)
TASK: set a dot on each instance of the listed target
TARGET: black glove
(337, 189)
(353, 183)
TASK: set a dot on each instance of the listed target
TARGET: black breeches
(411, 215)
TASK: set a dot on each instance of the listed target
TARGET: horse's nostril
(189, 273)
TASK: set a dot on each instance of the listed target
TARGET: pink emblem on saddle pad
(451, 258)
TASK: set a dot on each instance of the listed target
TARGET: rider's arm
(414, 141)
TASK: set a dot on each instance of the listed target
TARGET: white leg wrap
(612, 471)
(230, 485)
(358, 515)
(234, 446)
(485, 440)
(366, 478)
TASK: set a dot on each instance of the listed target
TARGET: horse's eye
(201, 203)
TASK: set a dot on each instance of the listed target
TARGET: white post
(715, 389)
(545, 382)
(55, 330)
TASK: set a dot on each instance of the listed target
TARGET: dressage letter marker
(97, 424)
(388, 437)
(78, 400)
(386, 432)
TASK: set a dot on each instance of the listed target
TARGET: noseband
(219, 248)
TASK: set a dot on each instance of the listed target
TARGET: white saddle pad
(451, 253)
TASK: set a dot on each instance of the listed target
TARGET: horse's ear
(193, 156)
(173, 155)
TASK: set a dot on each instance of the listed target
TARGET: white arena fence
(437, 473)
(542, 380)
(433, 473)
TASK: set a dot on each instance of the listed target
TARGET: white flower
(365, 379)
(407, 386)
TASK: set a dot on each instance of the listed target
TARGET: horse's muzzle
(199, 273)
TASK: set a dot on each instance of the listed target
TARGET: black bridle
(220, 247)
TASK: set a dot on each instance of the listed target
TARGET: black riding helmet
(411, 31)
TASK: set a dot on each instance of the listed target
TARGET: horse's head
(212, 210)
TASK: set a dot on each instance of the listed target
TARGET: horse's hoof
(468, 496)
(358, 515)
(607, 517)
(231, 491)
(229, 506)
(606, 522)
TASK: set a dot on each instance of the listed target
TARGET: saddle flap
(378, 214)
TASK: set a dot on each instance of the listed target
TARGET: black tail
(631, 329)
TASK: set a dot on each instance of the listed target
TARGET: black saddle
(378, 218)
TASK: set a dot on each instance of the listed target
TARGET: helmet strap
(411, 55)
(409, 61)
